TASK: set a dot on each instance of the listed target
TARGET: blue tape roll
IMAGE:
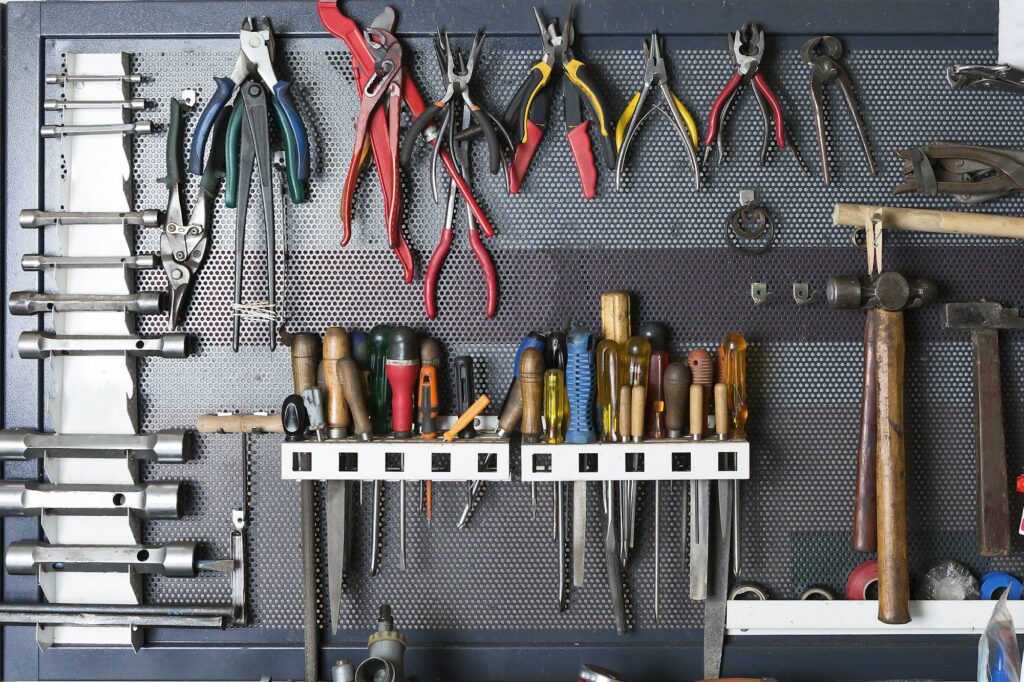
(997, 582)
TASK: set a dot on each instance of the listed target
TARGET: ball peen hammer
(984, 319)
(886, 296)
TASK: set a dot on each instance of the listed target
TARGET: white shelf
(484, 458)
(658, 460)
(794, 617)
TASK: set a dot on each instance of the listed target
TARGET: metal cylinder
(39, 345)
(32, 262)
(149, 500)
(175, 559)
(30, 302)
(31, 217)
(172, 445)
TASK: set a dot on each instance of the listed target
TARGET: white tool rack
(483, 458)
(651, 460)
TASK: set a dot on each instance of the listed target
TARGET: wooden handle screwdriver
(352, 386)
(531, 386)
(336, 346)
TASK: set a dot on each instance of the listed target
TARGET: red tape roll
(860, 579)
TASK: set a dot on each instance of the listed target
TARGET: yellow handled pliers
(656, 75)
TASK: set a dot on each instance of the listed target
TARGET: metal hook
(759, 292)
(803, 294)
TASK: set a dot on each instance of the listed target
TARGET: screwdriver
(531, 384)
(465, 390)
(512, 407)
(360, 352)
(352, 386)
(339, 493)
(305, 356)
(637, 364)
(377, 342)
(430, 361)
(580, 388)
(555, 404)
(700, 499)
(402, 368)
(735, 378)
(608, 384)
(677, 397)
(556, 357)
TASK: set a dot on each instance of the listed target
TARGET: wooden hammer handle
(891, 473)
(993, 504)
(924, 220)
(865, 501)
(239, 423)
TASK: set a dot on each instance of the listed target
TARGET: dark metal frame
(457, 654)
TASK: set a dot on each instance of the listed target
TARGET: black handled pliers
(823, 54)
(458, 82)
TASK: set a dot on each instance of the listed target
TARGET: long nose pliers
(656, 76)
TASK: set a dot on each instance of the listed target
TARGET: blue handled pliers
(256, 59)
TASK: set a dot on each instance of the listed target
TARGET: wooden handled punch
(336, 346)
(531, 385)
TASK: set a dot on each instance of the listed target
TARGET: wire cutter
(460, 151)
(656, 76)
(527, 113)
(256, 61)
(746, 49)
(363, 68)
(823, 54)
(458, 81)
(183, 245)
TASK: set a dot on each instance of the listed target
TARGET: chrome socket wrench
(35, 218)
(175, 559)
(135, 128)
(31, 302)
(171, 446)
(38, 345)
(133, 104)
(148, 500)
(36, 262)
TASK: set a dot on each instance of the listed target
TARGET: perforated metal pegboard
(555, 253)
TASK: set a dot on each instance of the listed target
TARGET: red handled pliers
(746, 49)
(364, 66)
(460, 149)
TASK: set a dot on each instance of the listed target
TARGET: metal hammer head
(980, 315)
(889, 291)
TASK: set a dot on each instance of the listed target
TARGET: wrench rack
(479, 602)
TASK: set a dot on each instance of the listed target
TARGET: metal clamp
(803, 294)
(759, 292)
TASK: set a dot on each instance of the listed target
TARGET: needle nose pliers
(822, 54)
(458, 84)
(256, 63)
(527, 113)
(656, 76)
(746, 49)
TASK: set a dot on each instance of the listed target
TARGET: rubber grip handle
(467, 417)
(421, 123)
(428, 405)
(523, 156)
(225, 86)
(865, 501)
(174, 127)
(893, 569)
(215, 170)
(493, 145)
(715, 116)
(283, 97)
(403, 380)
(433, 272)
(993, 505)
(352, 387)
(581, 384)
(587, 86)
(296, 187)
(487, 268)
(583, 154)
(773, 102)
(239, 423)
(531, 101)
(232, 142)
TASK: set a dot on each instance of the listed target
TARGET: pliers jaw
(257, 39)
(746, 47)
